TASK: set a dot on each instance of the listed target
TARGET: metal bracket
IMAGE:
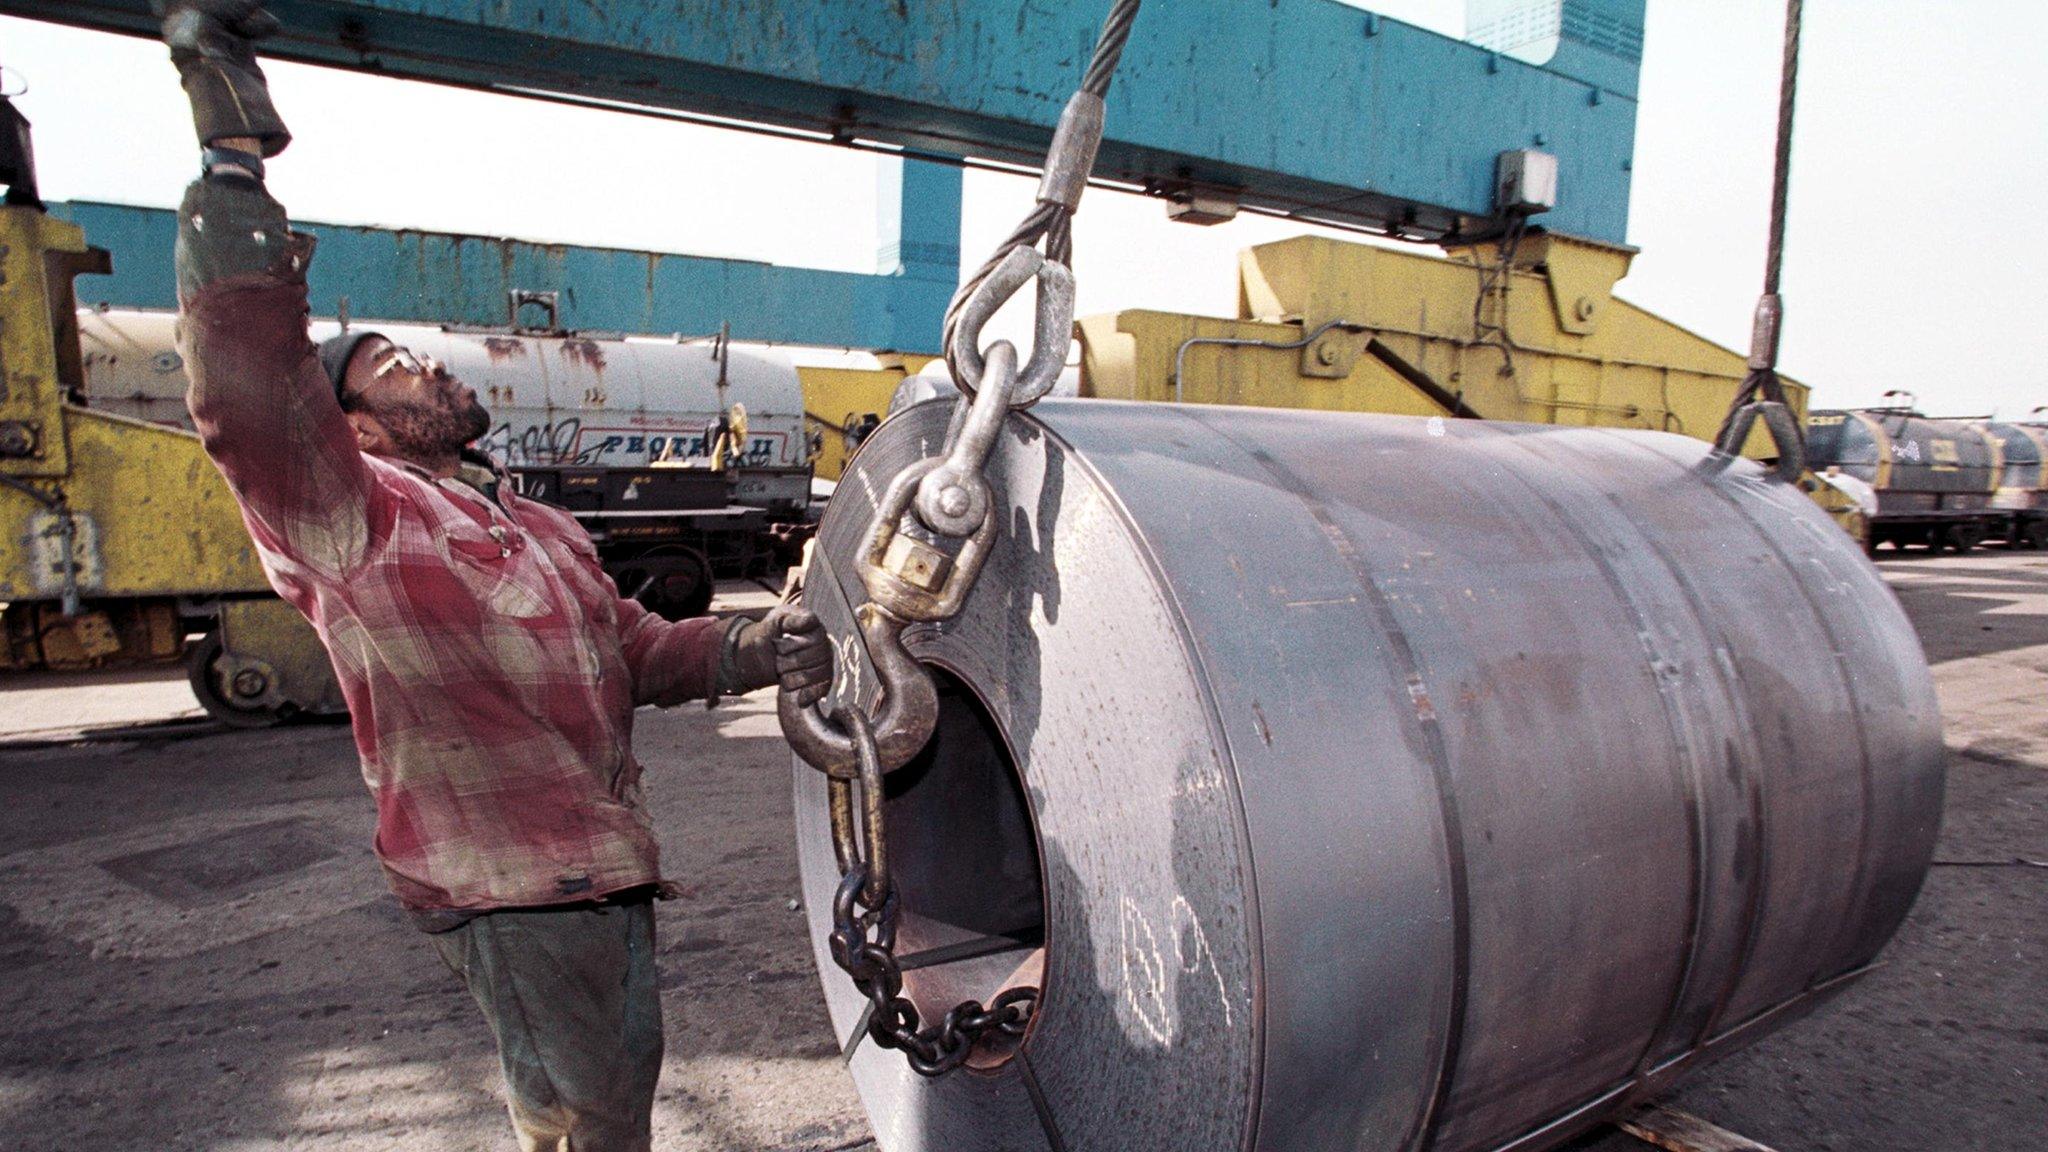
(520, 298)
(1784, 431)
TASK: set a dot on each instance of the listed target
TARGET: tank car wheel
(670, 580)
(1963, 537)
(224, 699)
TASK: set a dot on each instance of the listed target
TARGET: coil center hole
(964, 852)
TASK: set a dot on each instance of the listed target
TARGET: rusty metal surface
(1395, 783)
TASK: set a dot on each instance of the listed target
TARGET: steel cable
(1781, 173)
(1762, 384)
(1049, 222)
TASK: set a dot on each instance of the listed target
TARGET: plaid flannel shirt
(490, 667)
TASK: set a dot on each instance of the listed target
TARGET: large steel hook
(909, 580)
(909, 710)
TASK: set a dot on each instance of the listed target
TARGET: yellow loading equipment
(118, 536)
(1533, 335)
(842, 405)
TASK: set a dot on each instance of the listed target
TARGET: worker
(490, 666)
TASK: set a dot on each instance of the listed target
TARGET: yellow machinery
(843, 404)
(118, 537)
(1530, 334)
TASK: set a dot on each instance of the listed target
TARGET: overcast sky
(1919, 125)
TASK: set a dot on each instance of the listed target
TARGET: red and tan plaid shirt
(489, 664)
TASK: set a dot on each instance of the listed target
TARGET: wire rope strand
(1762, 382)
(1781, 173)
(1050, 223)
(1109, 48)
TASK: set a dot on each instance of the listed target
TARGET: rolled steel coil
(1356, 781)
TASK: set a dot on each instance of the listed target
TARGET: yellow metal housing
(152, 518)
(147, 512)
(110, 528)
(1547, 341)
(36, 252)
(838, 400)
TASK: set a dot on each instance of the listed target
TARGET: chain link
(922, 553)
(863, 943)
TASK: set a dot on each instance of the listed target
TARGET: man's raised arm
(262, 405)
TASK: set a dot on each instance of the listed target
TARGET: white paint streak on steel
(850, 665)
(1188, 928)
(1144, 973)
(1149, 986)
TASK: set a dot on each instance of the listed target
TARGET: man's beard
(426, 432)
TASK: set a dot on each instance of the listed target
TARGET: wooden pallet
(1676, 1131)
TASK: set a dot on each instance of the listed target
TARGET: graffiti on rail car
(570, 441)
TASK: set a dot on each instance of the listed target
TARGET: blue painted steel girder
(439, 277)
(1306, 106)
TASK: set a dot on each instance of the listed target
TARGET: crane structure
(1312, 109)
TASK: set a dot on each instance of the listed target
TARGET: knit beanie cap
(335, 352)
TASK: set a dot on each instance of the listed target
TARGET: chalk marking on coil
(1158, 1023)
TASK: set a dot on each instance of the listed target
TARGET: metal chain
(922, 553)
(863, 942)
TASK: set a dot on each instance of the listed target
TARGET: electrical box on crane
(1525, 182)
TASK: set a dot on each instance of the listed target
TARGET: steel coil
(1357, 781)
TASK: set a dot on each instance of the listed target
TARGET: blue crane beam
(1307, 107)
(446, 278)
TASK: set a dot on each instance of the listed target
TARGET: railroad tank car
(569, 400)
(617, 429)
(1936, 480)
(2023, 485)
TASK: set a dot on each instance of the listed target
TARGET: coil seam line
(1423, 1135)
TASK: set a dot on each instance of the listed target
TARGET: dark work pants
(572, 998)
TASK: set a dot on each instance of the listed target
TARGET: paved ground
(194, 951)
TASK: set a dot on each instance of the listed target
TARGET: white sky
(1919, 124)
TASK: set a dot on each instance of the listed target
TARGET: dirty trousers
(572, 997)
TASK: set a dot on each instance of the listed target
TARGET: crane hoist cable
(1762, 394)
(921, 554)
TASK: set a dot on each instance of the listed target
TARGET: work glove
(788, 647)
(212, 43)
